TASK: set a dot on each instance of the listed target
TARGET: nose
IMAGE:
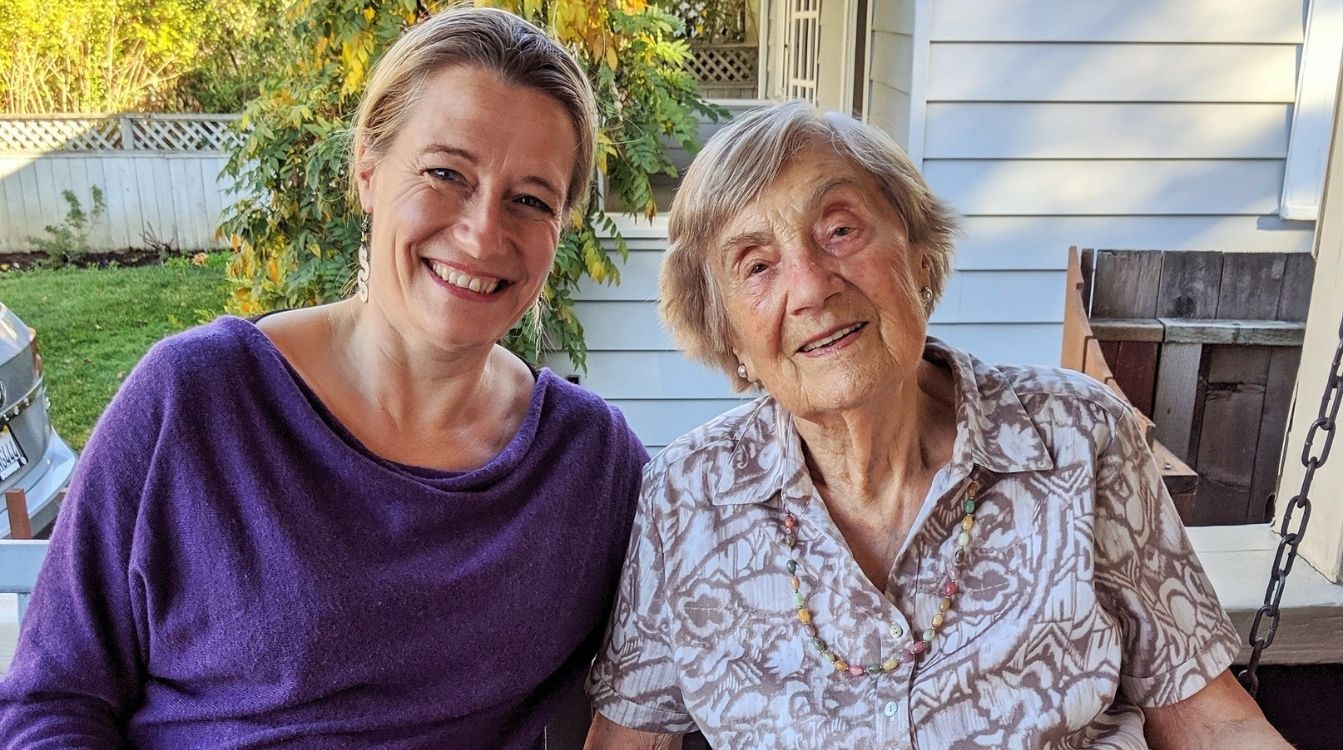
(479, 230)
(810, 278)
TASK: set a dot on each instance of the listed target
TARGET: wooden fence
(159, 175)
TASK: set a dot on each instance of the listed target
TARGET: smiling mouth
(833, 338)
(463, 280)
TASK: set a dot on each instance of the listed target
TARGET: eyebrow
(733, 244)
(470, 158)
(824, 188)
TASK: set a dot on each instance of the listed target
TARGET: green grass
(94, 324)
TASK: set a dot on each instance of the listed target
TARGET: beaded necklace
(918, 645)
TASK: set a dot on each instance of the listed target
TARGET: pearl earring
(742, 373)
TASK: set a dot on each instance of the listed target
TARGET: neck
(871, 455)
(415, 387)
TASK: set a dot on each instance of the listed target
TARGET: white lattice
(180, 134)
(174, 133)
(724, 64)
(63, 134)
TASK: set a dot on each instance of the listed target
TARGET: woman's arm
(78, 669)
(608, 735)
(1220, 715)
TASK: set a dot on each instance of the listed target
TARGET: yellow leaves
(322, 43)
(368, 15)
(354, 56)
(605, 147)
(273, 269)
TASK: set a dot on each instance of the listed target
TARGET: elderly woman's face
(467, 208)
(821, 287)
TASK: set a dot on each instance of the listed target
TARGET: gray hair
(739, 162)
(487, 38)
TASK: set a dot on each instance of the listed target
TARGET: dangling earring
(361, 280)
(742, 373)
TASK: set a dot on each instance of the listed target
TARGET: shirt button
(890, 709)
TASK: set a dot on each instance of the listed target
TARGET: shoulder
(716, 437)
(1077, 416)
(1043, 383)
(187, 366)
(205, 352)
(573, 414)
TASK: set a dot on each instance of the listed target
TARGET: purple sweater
(232, 568)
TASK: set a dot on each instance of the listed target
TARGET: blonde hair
(491, 39)
(739, 162)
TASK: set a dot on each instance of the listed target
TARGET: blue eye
(444, 174)
(532, 201)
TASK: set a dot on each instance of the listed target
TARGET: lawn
(94, 324)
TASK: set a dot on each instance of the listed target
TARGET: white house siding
(1107, 123)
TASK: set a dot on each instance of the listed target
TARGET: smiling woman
(354, 525)
(897, 545)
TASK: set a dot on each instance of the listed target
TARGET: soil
(126, 257)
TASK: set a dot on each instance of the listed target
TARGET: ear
(923, 272)
(364, 164)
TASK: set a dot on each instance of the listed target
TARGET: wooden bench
(1082, 352)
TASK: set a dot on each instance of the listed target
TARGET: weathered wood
(1190, 282)
(1128, 329)
(1128, 283)
(1134, 366)
(1297, 282)
(1088, 276)
(16, 505)
(1095, 365)
(1258, 332)
(1177, 383)
(1251, 285)
(1281, 378)
(1236, 364)
(1229, 436)
(1075, 328)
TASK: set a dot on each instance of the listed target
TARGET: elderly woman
(898, 545)
(363, 524)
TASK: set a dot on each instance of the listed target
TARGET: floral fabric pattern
(1081, 602)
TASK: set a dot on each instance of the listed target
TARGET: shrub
(67, 241)
(294, 234)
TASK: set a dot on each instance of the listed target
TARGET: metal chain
(1291, 538)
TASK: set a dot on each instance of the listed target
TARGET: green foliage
(67, 241)
(128, 55)
(294, 234)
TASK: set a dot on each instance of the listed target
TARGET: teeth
(463, 280)
(828, 341)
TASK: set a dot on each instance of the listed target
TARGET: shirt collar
(993, 432)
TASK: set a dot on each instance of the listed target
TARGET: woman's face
(466, 207)
(821, 287)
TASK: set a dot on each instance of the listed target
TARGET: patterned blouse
(1081, 600)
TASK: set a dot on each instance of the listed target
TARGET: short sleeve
(1176, 637)
(634, 680)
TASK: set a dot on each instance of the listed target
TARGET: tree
(294, 233)
(127, 55)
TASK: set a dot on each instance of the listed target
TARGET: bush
(67, 241)
(294, 234)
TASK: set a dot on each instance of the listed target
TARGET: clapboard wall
(1107, 123)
